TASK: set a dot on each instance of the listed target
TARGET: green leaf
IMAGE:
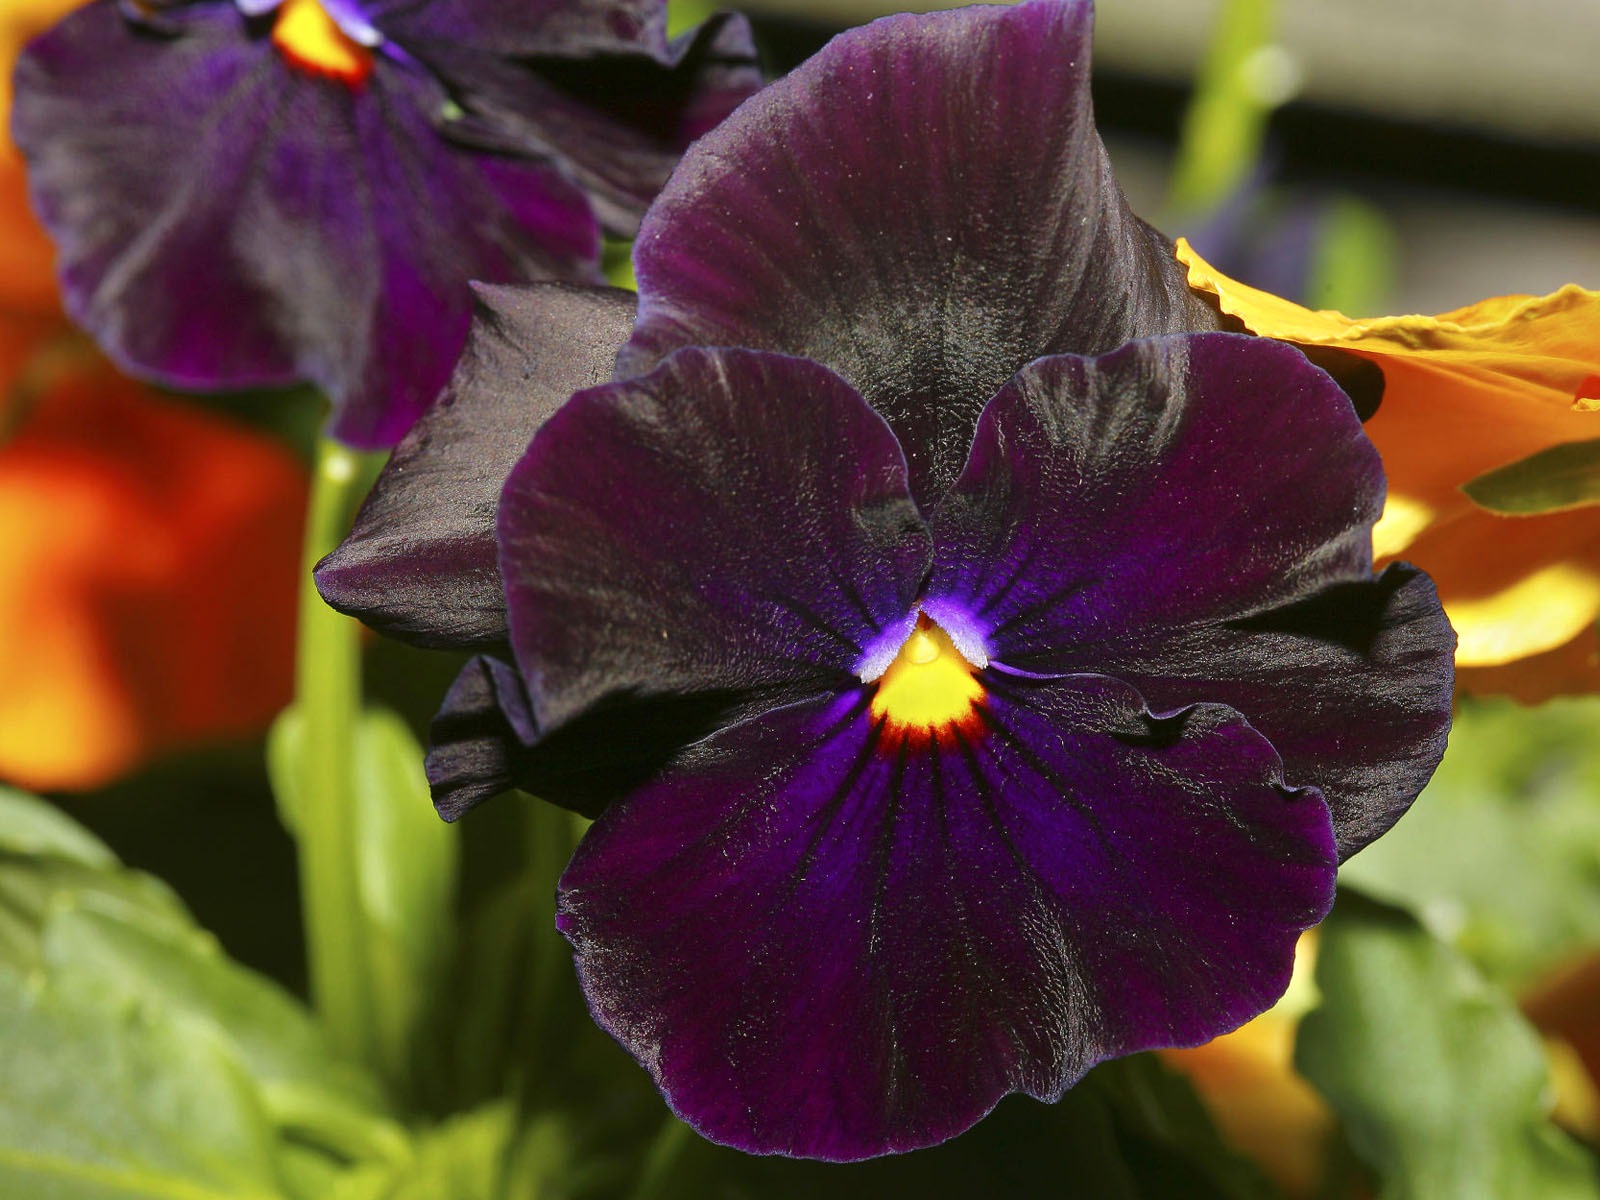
(1440, 1082)
(48, 861)
(1553, 480)
(104, 957)
(134, 965)
(1500, 856)
(35, 828)
(122, 1104)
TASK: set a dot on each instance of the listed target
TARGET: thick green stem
(328, 703)
(1243, 79)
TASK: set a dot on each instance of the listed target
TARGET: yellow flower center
(310, 39)
(929, 687)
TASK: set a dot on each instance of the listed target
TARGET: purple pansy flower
(255, 192)
(974, 676)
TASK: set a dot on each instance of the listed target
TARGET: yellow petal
(1540, 612)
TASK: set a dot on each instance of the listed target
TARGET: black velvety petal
(825, 943)
(734, 522)
(228, 218)
(924, 206)
(1352, 685)
(477, 745)
(617, 119)
(1193, 514)
(422, 563)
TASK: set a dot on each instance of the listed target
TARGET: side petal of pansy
(229, 215)
(1465, 393)
(764, 546)
(421, 562)
(829, 942)
(607, 96)
(1193, 514)
(924, 206)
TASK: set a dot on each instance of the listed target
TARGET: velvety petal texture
(833, 930)
(239, 204)
(1194, 514)
(925, 207)
(763, 543)
(421, 562)
(820, 946)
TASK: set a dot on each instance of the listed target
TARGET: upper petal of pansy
(1193, 514)
(227, 217)
(736, 524)
(924, 206)
(827, 942)
(421, 562)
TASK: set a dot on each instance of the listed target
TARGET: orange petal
(148, 574)
(1466, 392)
(27, 259)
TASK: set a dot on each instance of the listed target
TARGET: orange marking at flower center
(310, 39)
(929, 687)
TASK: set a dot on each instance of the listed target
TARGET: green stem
(1240, 83)
(328, 703)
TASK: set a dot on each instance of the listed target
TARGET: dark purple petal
(1193, 514)
(618, 122)
(422, 562)
(1352, 686)
(822, 943)
(478, 742)
(734, 523)
(528, 28)
(227, 219)
(924, 206)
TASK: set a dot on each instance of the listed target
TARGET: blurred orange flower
(149, 552)
(149, 556)
(1467, 392)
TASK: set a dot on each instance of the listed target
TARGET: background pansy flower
(254, 192)
(958, 712)
(1466, 393)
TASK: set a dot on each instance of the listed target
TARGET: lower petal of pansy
(825, 939)
(227, 218)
